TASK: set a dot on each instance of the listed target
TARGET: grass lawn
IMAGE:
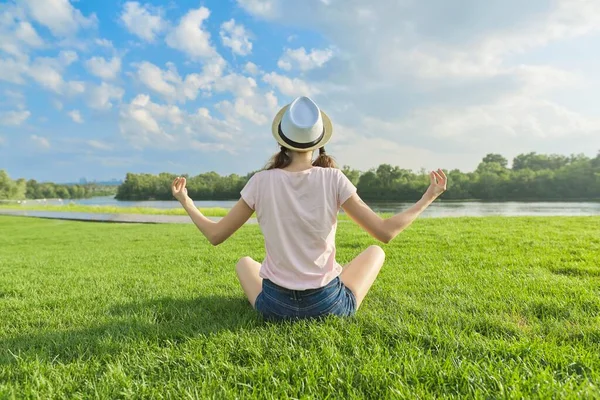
(464, 307)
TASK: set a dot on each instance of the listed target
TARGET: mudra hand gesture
(179, 190)
(438, 184)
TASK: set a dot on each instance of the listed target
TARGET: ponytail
(280, 160)
(324, 160)
(284, 159)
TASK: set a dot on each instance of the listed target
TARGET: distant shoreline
(579, 200)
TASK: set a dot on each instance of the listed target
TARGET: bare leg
(361, 272)
(247, 271)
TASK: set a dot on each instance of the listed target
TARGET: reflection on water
(437, 209)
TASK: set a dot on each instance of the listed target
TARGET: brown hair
(284, 159)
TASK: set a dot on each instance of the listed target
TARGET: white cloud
(169, 84)
(189, 37)
(104, 43)
(17, 36)
(104, 69)
(251, 68)
(101, 97)
(40, 142)
(241, 86)
(508, 119)
(76, 116)
(240, 108)
(47, 72)
(13, 70)
(144, 21)
(236, 37)
(27, 34)
(14, 118)
(59, 16)
(364, 153)
(435, 69)
(13, 98)
(98, 145)
(258, 108)
(300, 59)
(262, 8)
(2, 140)
(148, 124)
(290, 86)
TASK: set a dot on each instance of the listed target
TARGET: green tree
(6, 186)
(495, 158)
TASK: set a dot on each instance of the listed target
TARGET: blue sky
(96, 88)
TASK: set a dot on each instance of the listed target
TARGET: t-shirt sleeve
(250, 192)
(345, 188)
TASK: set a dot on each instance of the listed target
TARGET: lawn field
(463, 308)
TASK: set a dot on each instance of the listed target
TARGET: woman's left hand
(179, 190)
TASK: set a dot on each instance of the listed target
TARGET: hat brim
(327, 127)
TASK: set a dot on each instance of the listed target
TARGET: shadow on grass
(160, 322)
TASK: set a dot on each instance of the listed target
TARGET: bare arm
(385, 230)
(215, 232)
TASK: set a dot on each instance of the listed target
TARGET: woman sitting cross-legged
(297, 201)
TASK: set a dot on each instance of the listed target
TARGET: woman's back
(297, 213)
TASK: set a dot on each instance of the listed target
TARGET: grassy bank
(464, 307)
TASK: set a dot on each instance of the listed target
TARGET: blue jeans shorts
(278, 303)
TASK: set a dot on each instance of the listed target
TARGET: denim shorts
(278, 303)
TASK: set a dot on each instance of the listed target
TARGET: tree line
(21, 189)
(531, 176)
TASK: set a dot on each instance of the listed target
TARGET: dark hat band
(300, 145)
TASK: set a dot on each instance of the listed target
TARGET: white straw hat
(302, 126)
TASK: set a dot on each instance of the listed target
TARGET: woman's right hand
(179, 190)
(438, 184)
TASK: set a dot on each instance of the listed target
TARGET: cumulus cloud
(40, 142)
(14, 118)
(241, 86)
(46, 71)
(251, 68)
(290, 86)
(59, 16)
(262, 8)
(104, 43)
(300, 59)
(169, 84)
(258, 108)
(17, 36)
(148, 124)
(102, 97)
(76, 116)
(236, 37)
(99, 145)
(436, 69)
(103, 68)
(13, 98)
(143, 21)
(190, 37)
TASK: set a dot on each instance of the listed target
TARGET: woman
(297, 203)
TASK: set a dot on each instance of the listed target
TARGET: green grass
(463, 307)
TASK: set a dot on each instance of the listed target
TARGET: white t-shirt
(297, 213)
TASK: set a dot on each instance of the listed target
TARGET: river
(438, 209)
